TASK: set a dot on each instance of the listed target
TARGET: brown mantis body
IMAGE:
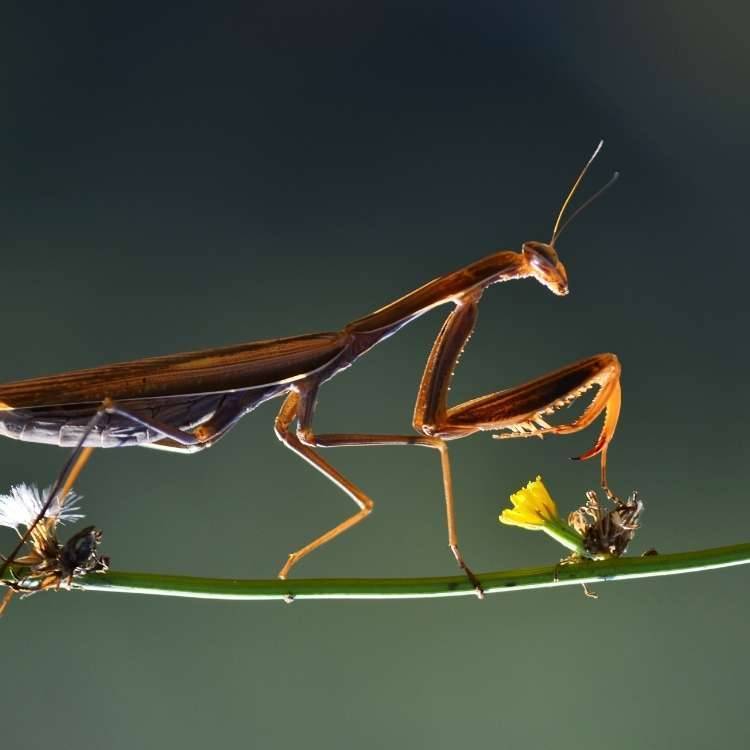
(187, 402)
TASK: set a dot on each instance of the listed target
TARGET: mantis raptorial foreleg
(521, 410)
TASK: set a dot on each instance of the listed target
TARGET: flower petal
(515, 518)
(532, 506)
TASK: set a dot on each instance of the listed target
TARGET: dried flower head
(46, 563)
(607, 533)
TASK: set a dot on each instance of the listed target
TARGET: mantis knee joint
(306, 437)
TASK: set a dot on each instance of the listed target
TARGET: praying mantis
(187, 402)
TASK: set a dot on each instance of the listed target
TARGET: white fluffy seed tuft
(24, 502)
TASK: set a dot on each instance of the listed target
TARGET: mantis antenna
(612, 180)
(593, 156)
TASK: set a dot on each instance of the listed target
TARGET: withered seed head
(607, 533)
(78, 555)
(46, 563)
(54, 565)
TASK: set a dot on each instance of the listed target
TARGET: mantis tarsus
(186, 402)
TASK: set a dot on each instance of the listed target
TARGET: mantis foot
(478, 590)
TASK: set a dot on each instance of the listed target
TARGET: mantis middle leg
(300, 406)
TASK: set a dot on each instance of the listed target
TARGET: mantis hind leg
(231, 408)
(287, 414)
(520, 410)
(182, 438)
(205, 434)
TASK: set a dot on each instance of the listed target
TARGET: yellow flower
(532, 507)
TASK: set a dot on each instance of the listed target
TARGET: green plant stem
(624, 568)
(563, 534)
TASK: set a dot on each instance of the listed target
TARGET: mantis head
(541, 257)
(546, 266)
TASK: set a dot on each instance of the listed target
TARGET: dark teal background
(182, 176)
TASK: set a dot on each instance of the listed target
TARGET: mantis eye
(541, 255)
(546, 266)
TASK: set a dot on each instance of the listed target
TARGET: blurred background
(179, 176)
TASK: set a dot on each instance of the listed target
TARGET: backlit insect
(187, 402)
